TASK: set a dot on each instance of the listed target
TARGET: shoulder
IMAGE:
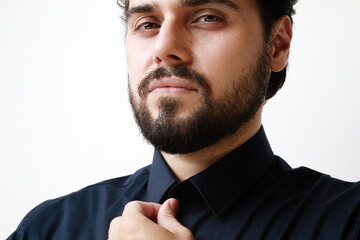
(138, 178)
(92, 207)
(321, 204)
(314, 186)
(309, 177)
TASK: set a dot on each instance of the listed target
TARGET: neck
(185, 166)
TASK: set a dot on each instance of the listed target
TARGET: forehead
(146, 6)
(187, 3)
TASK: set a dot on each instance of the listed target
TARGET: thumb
(167, 214)
(166, 218)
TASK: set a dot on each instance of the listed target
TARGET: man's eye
(209, 18)
(148, 26)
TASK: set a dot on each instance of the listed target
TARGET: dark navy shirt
(249, 194)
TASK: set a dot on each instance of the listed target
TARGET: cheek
(221, 64)
(225, 58)
(138, 56)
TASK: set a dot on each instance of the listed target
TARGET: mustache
(175, 71)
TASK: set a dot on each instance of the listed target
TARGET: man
(200, 72)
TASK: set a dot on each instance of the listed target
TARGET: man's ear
(281, 39)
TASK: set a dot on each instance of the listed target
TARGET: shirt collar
(161, 178)
(222, 184)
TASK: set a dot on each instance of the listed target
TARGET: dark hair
(270, 11)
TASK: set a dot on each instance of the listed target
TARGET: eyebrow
(151, 7)
(194, 3)
(144, 8)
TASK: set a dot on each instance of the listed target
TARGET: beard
(212, 120)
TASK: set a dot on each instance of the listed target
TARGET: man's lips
(171, 85)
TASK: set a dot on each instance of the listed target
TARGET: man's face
(198, 70)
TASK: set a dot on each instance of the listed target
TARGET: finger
(149, 210)
(167, 219)
(114, 228)
(136, 227)
(168, 211)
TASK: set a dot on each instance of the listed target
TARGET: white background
(65, 121)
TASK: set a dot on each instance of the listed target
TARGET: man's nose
(172, 45)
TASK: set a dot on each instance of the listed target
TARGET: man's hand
(142, 221)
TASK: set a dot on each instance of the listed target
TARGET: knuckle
(131, 205)
(114, 227)
(115, 222)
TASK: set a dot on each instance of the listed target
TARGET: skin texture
(186, 38)
(220, 41)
